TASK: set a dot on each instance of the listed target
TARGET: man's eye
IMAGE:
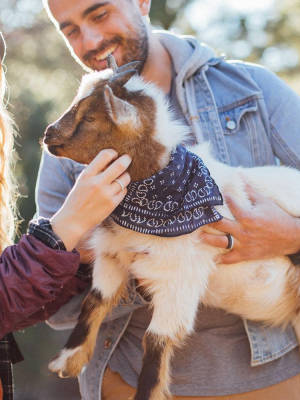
(100, 16)
(72, 32)
(88, 119)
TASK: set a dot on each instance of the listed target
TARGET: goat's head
(108, 112)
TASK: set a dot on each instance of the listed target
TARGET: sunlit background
(43, 79)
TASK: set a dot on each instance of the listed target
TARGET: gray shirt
(215, 360)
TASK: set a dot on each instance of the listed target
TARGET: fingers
(118, 197)
(108, 167)
(101, 161)
(230, 258)
(120, 184)
(242, 211)
(225, 225)
(237, 210)
(253, 194)
(214, 240)
(221, 241)
(116, 169)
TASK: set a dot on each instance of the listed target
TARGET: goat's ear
(120, 111)
(121, 78)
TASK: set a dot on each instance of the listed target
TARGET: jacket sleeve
(72, 288)
(31, 275)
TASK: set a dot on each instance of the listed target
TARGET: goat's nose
(50, 134)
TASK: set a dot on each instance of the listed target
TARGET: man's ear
(145, 6)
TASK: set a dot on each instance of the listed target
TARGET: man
(251, 118)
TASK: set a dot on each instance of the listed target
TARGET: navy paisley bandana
(175, 201)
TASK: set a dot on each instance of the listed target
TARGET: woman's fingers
(109, 171)
(94, 196)
(120, 183)
(116, 169)
(101, 162)
(108, 166)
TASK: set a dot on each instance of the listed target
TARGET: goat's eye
(88, 119)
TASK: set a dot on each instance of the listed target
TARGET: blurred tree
(269, 35)
(43, 80)
(164, 12)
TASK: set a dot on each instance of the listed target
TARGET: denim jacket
(251, 118)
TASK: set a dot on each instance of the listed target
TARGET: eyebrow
(84, 14)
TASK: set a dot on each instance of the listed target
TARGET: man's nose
(91, 39)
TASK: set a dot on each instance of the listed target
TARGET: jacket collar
(187, 53)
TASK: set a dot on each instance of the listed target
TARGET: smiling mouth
(104, 55)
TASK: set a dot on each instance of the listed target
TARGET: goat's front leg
(108, 284)
(175, 309)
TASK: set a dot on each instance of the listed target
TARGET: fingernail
(127, 158)
(113, 152)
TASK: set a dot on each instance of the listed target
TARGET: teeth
(103, 56)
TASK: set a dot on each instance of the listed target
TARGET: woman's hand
(261, 232)
(94, 196)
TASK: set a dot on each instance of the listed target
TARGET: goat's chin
(55, 150)
(59, 151)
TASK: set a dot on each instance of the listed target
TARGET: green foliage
(43, 79)
(164, 12)
(269, 36)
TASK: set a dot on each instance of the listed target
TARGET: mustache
(104, 45)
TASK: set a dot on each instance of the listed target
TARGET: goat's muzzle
(52, 140)
(52, 136)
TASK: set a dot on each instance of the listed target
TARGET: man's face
(95, 28)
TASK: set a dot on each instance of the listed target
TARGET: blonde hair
(8, 187)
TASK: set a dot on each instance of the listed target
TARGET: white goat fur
(181, 272)
(252, 289)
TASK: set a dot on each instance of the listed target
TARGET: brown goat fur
(88, 125)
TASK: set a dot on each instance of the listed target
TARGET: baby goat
(154, 240)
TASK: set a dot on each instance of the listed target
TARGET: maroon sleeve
(73, 287)
(31, 275)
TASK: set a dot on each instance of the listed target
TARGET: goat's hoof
(68, 363)
(64, 374)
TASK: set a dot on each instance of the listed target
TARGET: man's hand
(261, 232)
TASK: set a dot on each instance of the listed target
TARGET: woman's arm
(34, 271)
(31, 273)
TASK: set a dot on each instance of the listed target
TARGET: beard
(134, 47)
